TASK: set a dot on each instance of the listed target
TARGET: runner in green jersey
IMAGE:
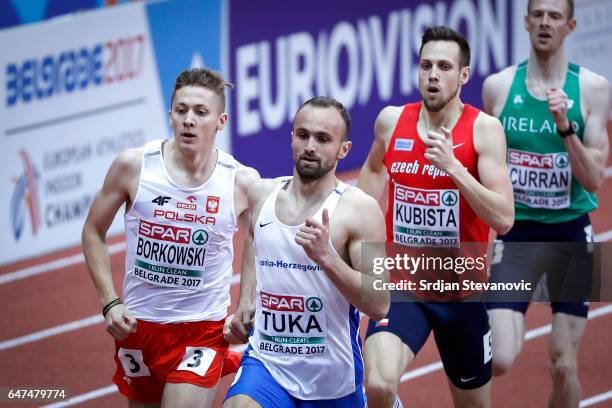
(554, 115)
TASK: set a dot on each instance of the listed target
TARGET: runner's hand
(313, 236)
(440, 149)
(238, 326)
(557, 104)
(120, 322)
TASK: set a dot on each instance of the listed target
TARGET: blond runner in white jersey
(179, 248)
(305, 350)
(183, 197)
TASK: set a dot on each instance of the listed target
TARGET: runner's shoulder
(595, 86)
(488, 133)
(386, 120)
(261, 188)
(129, 161)
(246, 176)
(361, 216)
(355, 199)
(501, 78)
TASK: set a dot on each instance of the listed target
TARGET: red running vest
(425, 206)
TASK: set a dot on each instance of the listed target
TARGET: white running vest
(306, 333)
(179, 243)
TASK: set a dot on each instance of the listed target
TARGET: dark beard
(312, 173)
(439, 105)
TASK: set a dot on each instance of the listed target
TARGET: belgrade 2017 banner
(75, 92)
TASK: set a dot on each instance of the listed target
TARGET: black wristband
(110, 305)
(567, 132)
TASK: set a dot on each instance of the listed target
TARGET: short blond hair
(204, 77)
(570, 8)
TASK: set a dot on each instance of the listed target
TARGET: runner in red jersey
(448, 183)
(409, 169)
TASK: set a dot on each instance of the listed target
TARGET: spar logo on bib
(418, 197)
(314, 304)
(531, 160)
(164, 232)
(200, 237)
(282, 303)
(562, 161)
(449, 198)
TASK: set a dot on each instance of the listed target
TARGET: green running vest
(544, 188)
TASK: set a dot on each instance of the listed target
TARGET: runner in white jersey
(179, 248)
(304, 349)
(183, 197)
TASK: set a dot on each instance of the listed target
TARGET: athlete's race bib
(291, 325)
(540, 180)
(425, 217)
(170, 256)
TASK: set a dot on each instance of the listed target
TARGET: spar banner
(365, 54)
(75, 93)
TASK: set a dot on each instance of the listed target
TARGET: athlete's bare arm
(241, 324)
(588, 158)
(373, 175)
(348, 277)
(119, 188)
(496, 206)
(238, 331)
(245, 178)
(495, 90)
(238, 328)
(492, 197)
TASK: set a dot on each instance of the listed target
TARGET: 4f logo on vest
(161, 200)
(200, 237)
(518, 100)
(212, 205)
(570, 103)
(449, 198)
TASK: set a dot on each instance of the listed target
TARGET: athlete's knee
(507, 333)
(476, 398)
(504, 354)
(563, 366)
(380, 392)
(136, 404)
(479, 403)
(240, 401)
(475, 404)
(502, 362)
(563, 373)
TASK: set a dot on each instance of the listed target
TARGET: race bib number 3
(132, 362)
(197, 360)
(425, 217)
(540, 180)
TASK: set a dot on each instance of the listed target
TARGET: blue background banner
(17, 12)
(184, 34)
(365, 55)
